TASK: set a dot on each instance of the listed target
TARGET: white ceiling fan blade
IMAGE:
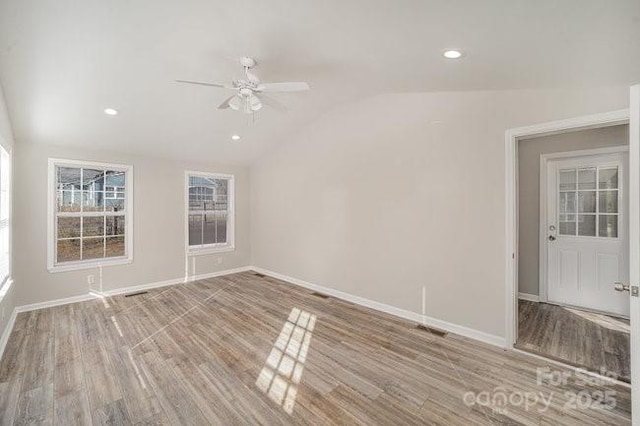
(225, 104)
(201, 83)
(273, 103)
(283, 87)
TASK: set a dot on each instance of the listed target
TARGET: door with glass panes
(586, 232)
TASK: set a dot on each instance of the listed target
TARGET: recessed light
(235, 137)
(111, 111)
(452, 54)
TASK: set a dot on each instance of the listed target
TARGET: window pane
(608, 178)
(587, 201)
(115, 247)
(92, 248)
(115, 225)
(608, 202)
(99, 195)
(567, 179)
(68, 227)
(115, 179)
(206, 193)
(69, 201)
(116, 205)
(567, 228)
(194, 203)
(587, 225)
(4, 204)
(608, 226)
(68, 250)
(568, 202)
(567, 218)
(93, 226)
(93, 201)
(208, 207)
(68, 178)
(195, 229)
(215, 228)
(92, 180)
(587, 178)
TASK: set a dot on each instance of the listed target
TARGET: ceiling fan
(249, 97)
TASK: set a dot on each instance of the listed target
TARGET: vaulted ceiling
(62, 62)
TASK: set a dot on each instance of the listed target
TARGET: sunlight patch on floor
(603, 320)
(283, 368)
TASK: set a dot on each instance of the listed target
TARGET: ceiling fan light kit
(249, 91)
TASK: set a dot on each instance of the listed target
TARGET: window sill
(209, 250)
(76, 266)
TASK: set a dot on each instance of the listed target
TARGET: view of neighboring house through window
(210, 211)
(91, 214)
(5, 215)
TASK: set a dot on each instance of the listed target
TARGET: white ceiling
(62, 62)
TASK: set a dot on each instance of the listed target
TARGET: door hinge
(634, 290)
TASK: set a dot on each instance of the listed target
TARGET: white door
(634, 248)
(586, 231)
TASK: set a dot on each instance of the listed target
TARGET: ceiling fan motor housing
(247, 62)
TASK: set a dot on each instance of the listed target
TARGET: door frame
(606, 119)
(543, 283)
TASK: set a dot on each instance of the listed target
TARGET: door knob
(552, 238)
(621, 287)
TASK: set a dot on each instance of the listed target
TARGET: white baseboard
(131, 289)
(402, 313)
(94, 294)
(529, 297)
(55, 302)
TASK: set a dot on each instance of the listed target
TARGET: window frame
(52, 264)
(5, 282)
(231, 219)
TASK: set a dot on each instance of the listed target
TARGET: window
(589, 202)
(209, 212)
(5, 215)
(90, 209)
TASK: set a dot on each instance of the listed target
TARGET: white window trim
(51, 218)
(231, 216)
(6, 284)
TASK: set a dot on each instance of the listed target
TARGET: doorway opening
(569, 235)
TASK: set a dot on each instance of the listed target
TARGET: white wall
(529, 151)
(159, 215)
(7, 294)
(398, 192)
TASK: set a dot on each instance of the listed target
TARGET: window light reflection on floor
(283, 368)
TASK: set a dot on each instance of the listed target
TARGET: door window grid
(588, 201)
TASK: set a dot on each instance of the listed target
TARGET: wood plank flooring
(244, 349)
(589, 340)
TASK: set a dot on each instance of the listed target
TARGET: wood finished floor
(210, 352)
(585, 339)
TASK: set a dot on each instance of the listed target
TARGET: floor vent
(258, 274)
(434, 331)
(320, 295)
(136, 294)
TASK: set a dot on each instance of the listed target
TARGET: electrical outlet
(219, 261)
(90, 279)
